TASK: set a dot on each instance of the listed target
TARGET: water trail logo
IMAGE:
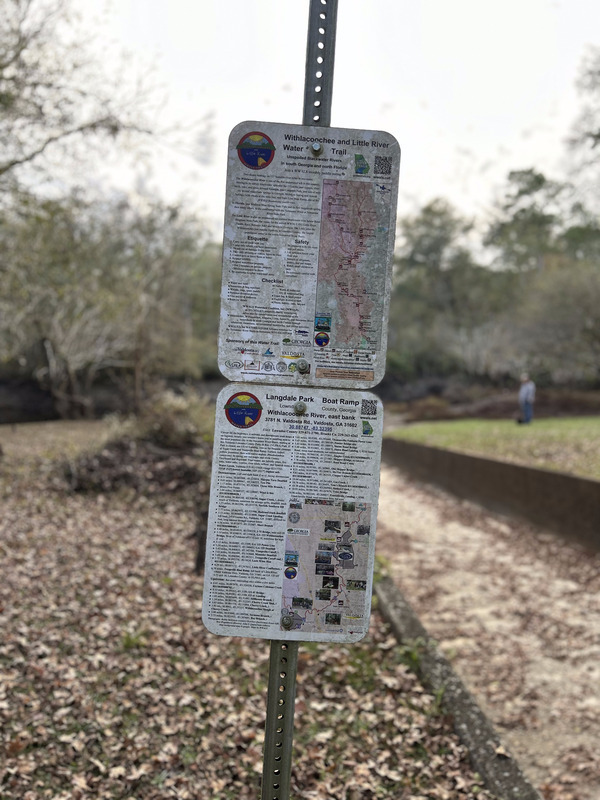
(255, 150)
(243, 410)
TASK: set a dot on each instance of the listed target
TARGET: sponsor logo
(281, 366)
(233, 364)
(322, 339)
(268, 366)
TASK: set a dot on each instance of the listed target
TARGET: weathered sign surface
(309, 235)
(291, 532)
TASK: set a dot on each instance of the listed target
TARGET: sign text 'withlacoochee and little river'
(291, 531)
(309, 233)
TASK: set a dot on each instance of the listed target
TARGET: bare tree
(86, 288)
(51, 90)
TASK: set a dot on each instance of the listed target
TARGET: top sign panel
(310, 220)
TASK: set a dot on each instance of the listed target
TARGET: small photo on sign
(302, 602)
(357, 586)
(323, 324)
(324, 569)
(333, 526)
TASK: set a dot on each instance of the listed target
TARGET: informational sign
(310, 221)
(291, 529)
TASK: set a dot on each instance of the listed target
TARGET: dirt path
(518, 613)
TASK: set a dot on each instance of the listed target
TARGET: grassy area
(566, 444)
(28, 441)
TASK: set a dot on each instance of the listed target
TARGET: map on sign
(308, 245)
(350, 291)
(327, 558)
(293, 508)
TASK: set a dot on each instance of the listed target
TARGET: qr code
(383, 165)
(368, 408)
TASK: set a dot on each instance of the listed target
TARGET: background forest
(102, 289)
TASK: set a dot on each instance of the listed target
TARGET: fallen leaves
(110, 687)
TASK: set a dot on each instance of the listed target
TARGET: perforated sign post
(308, 245)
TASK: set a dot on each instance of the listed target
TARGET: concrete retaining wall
(564, 504)
(501, 773)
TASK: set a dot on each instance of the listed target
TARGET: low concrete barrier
(501, 773)
(564, 504)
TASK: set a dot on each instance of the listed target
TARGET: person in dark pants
(526, 399)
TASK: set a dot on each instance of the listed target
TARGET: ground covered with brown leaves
(110, 687)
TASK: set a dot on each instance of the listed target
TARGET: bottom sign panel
(293, 506)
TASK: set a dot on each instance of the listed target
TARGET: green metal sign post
(279, 729)
(283, 663)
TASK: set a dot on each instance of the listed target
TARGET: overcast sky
(470, 88)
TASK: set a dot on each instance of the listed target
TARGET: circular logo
(281, 366)
(322, 339)
(255, 150)
(345, 555)
(243, 410)
(294, 517)
(290, 572)
(268, 366)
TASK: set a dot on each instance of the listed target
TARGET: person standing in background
(526, 399)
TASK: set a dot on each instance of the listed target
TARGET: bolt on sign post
(307, 258)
